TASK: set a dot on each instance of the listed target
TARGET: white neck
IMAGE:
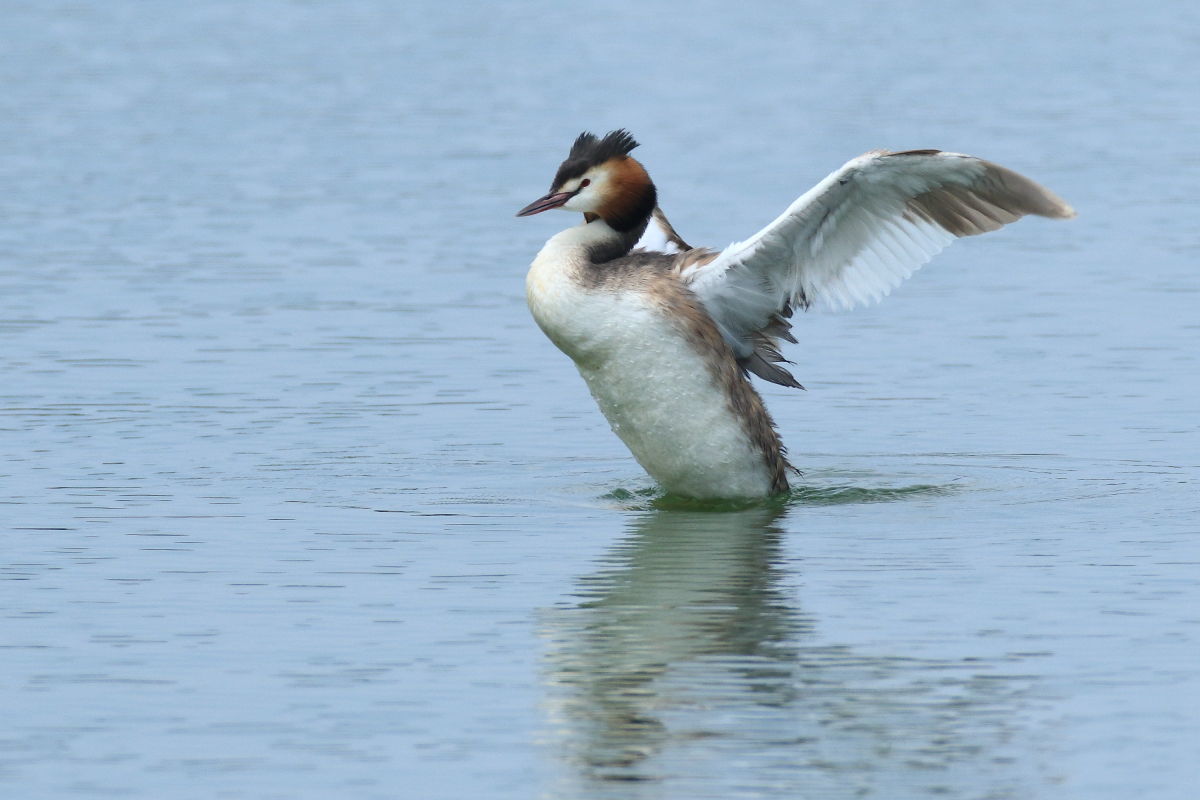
(590, 241)
(585, 234)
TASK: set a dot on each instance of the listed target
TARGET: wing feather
(660, 236)
(854, 237)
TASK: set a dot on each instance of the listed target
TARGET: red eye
(584, 182)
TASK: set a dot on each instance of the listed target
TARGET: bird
(666, 335)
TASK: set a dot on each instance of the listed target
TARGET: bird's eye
(584, 182)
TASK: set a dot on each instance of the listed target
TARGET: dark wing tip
(668, 230)
(1028, 195)
(987, 201)
(1010, 191)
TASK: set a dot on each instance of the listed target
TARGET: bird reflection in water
(685, 587)
(685, 655)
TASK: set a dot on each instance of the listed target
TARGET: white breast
(651, 383)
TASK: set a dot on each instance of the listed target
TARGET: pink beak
(545, 203)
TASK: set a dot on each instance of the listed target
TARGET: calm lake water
(298, 503)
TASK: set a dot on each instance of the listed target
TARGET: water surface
(298, 503)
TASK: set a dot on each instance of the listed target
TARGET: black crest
(590, 150)
(596, 151)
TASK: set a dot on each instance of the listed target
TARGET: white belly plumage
(653, 386)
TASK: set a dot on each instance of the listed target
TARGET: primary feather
(853, 238)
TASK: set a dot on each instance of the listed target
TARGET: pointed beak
(545, 203)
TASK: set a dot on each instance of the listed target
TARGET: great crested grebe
(666, 335)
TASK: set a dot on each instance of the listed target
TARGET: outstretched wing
(853, 238)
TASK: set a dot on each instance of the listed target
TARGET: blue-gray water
(298, 503)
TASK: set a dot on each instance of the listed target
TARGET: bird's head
(600, 180)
